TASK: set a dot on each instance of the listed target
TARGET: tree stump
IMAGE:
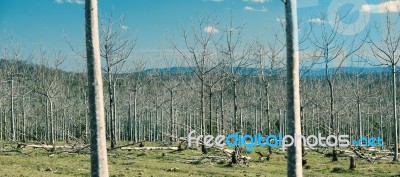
(334, 156)
(352, 163)
(234, 157)
(236, 154)
(21, 145)
(304, 162)
(203, 149)
(269, 150)
(182, 146)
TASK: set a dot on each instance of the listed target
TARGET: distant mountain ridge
(319, 72)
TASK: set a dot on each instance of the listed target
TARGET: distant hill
(349, 70)
(320, 72)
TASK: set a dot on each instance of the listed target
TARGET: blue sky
(46, 22)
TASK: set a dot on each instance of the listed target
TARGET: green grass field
(36, 162)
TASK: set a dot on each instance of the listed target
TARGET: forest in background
(45, 104)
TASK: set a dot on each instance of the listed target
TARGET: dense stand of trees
(152, 109)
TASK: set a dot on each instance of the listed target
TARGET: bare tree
(333, 49)
(116, 48)
(237, 56)
(269, 60)
(171, 88)
(99, 166)
(135, 83)
(49, 86)
(199, 53)
(387, 52)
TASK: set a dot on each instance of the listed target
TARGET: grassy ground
(151, 163)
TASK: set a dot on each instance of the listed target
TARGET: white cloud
(80, 2)
(124, 27)
(389, 6)
(281, 20)
(248, 8)
(316, 20)
(210, 29)
(256, 1)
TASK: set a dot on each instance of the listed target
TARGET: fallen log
(361, 155)
(262, 156)
(149, 148)
(233, 154)
(204, 157)
(48, 146)
(131, 144)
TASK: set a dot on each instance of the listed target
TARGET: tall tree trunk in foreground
(99, 166)
(294, 164)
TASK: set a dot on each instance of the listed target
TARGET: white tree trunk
(99, 166)
(294, 164)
